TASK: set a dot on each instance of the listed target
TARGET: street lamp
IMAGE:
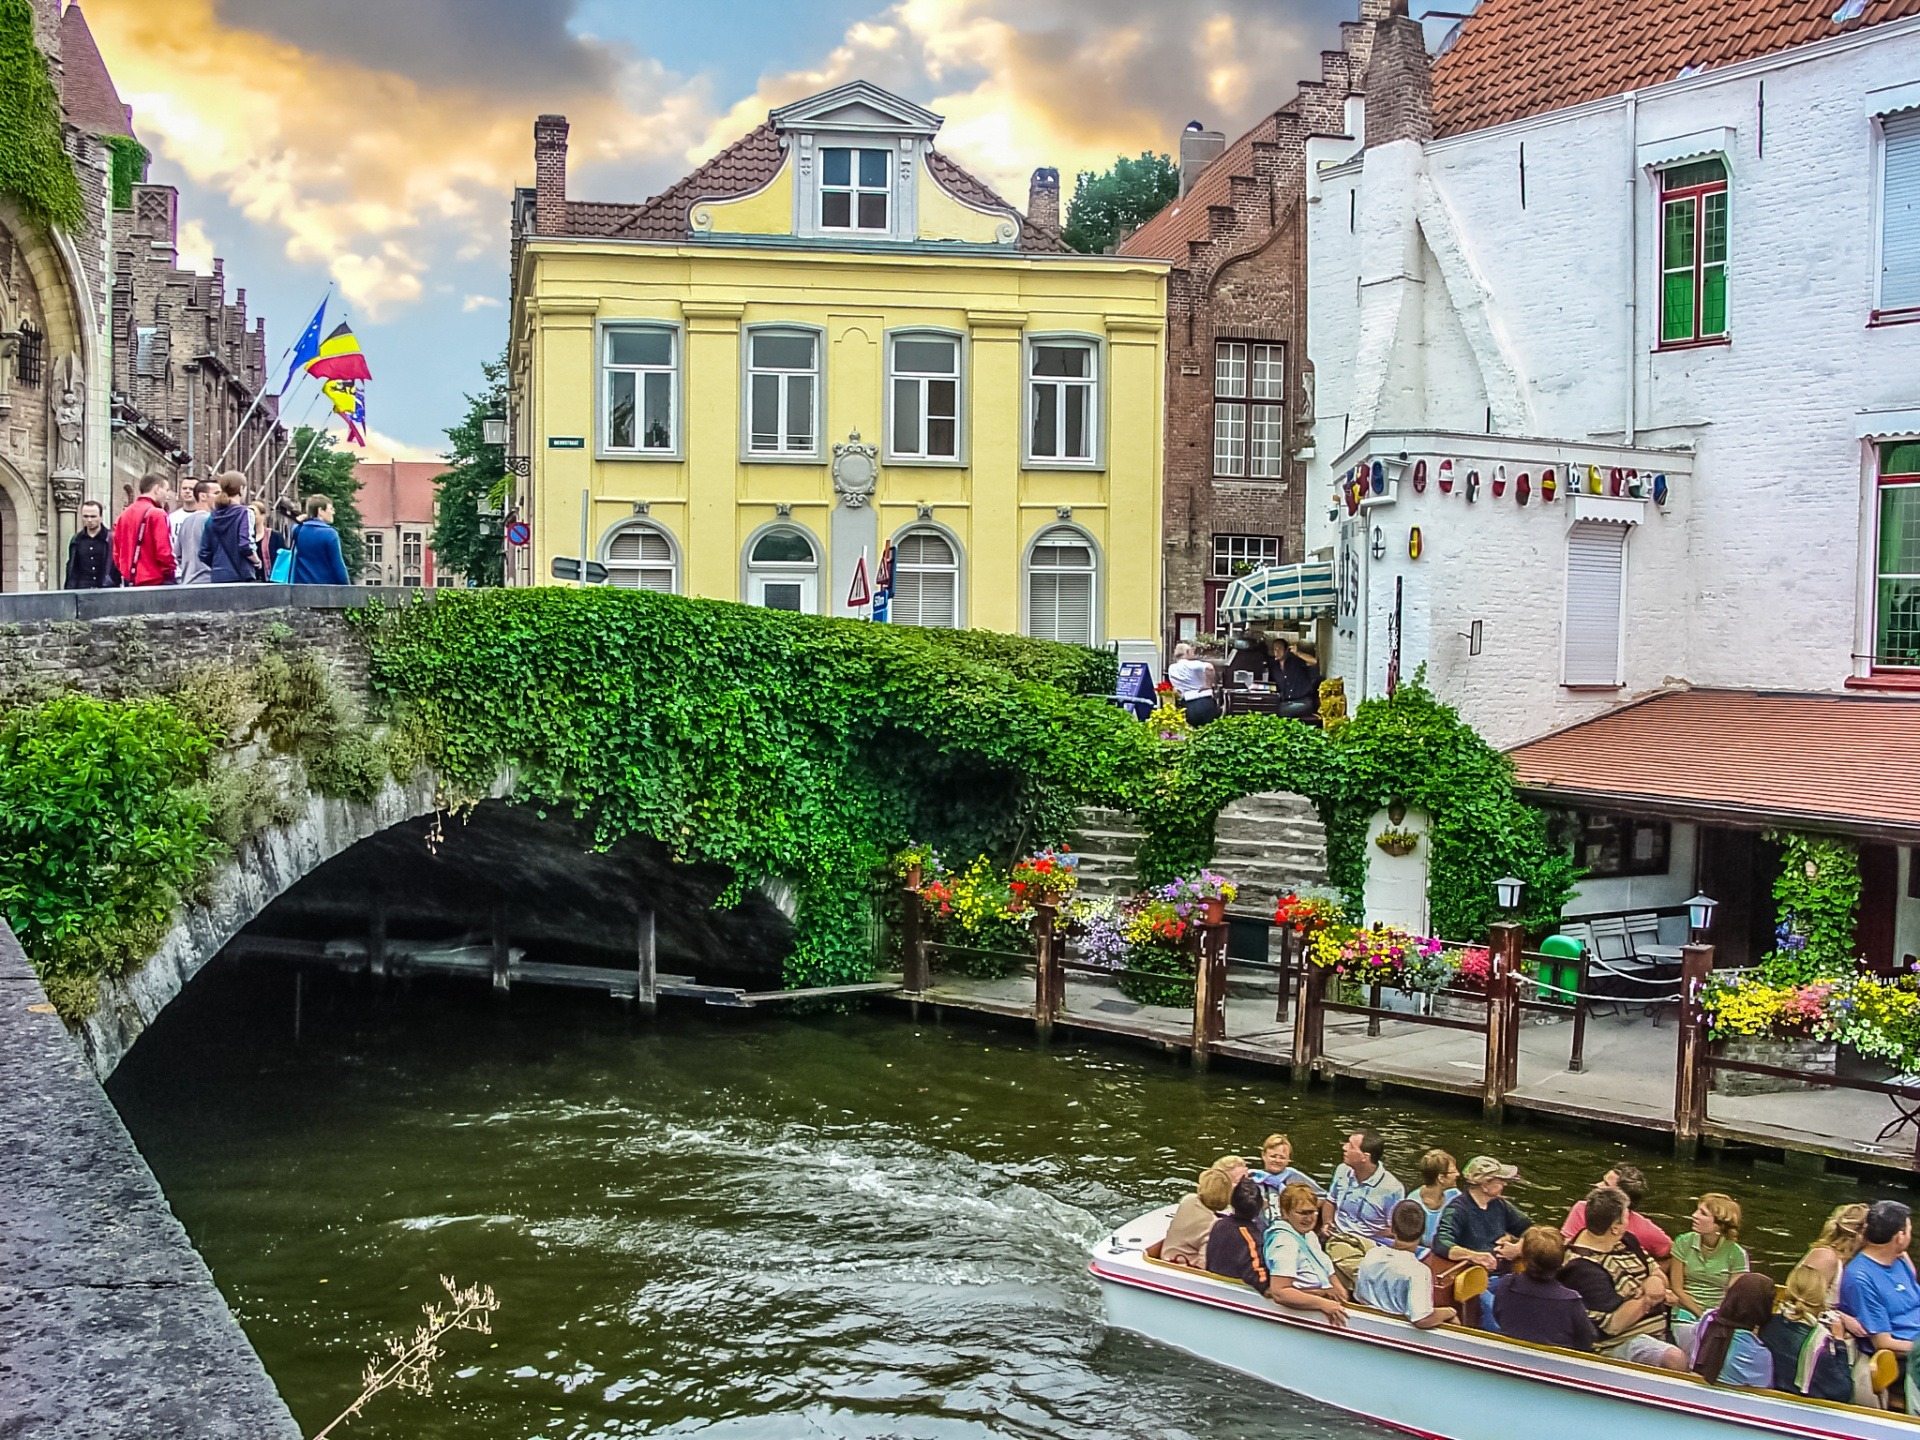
(1508, 890)
(1700, 913)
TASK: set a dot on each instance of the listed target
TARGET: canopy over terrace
(1294, 594)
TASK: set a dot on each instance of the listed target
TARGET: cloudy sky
(373, 143)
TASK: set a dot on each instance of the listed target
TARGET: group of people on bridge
(213, 535)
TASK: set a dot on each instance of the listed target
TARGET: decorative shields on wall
(1446, 477)
(1473, 486)
(1616, 481)
(1499, 481)
(1548, 486)
(1522, 489)
(1379, 478)
(1596, 484)
(1419, 477)
(1660, 490)
(1413, 543)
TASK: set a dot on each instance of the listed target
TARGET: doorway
(1738, 868)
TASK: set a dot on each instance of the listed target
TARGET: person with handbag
(143, 537)
(315, 548)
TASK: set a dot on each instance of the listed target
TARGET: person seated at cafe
(1439, 1177)
(1534, 1306)
(1235, 1243)
(1186, 1238)
(1705, 1259)
(1277, 1171)
(1480, 1224)
(1813, 1354)
(1193, 680)
(1303, 1275)
(1879, 1287)
(1249, 660)
(1297, 682)
(1727, 1348)
(1624, 1290)
(1628, 1180)
(1392, 1279)
(1358, 1208)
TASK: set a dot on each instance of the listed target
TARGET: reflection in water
(842, 1226)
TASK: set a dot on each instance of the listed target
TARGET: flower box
(1809, 1056)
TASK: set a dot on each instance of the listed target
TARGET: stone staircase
(1265, 844)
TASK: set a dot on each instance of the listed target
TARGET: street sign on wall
(519, 533)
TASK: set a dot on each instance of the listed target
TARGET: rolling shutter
(1900, 226)
(1596, 601)
(1060, 593)
(641, 560)
(926, 582)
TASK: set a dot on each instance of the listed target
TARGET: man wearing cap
(1358, 1210)
(1479, 1224)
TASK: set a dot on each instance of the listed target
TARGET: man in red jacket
(142, 542)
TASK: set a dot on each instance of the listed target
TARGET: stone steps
(1266, 844)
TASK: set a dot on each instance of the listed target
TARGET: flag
(339, 357)
(350, 405)
(883, 584)
(308, 350)
(357, 421)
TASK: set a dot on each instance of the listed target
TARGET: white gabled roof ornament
(857, 106)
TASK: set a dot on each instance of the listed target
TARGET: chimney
(1199, 148)
(1043, 200)
(1397, 85)
(550, 175)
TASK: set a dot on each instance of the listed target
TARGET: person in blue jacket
(316, 547)
(226, 544)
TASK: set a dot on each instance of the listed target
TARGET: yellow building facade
(829, 339)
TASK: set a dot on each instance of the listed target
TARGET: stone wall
(113, 1324)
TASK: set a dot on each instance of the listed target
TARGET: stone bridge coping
(69, 605)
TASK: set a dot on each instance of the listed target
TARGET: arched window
(1060, 587)
(640, 557)
(783, 571)
(926, 580)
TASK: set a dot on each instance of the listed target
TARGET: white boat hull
(1452, 1383)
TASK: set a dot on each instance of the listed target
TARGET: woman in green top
(1706, 1258)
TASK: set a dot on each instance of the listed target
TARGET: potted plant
(915, 863)
(1202, 897)
(1159, 966)
(1787, 1027)
(1045, 878)
(1397, 842)
(1310, 910)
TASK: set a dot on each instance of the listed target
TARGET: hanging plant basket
(1398, 842)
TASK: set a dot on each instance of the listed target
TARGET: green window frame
(1693, 252)
(1896, 600)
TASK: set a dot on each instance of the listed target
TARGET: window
(1060, 588)
(1240, 554)
(1693, 252)
(640, 557)
(926, 398)
(926, 580)
(1896, 630)
(1616, 846)
(783, 571)
(783, 393)
(853, 189)
(641, 377)
(1596, 603)
(375, 543)
(410, 552)
(1063, 400)
(1247, 435)
(1900, 214)
(29, 358)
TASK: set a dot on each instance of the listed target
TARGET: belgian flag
(340, 358)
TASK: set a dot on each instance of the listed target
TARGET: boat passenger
(1393, 1279)
(1278, 1171)
(1481, 1225)
(1706, 1258)
(1813, 1354)
(1727, 1348)
(1839, 1241)
(1186, 1239)
(1534, 1306)
(1628, 1180)
(1439, 1174)
(1879, 1287)
(1624, 1290)
(1303, 1274)
(1234, 1243)
(1358, 1209)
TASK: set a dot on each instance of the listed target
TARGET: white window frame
(1238, 541)
(853, 189)
(959, 571)
(752, 571)
(675, 559)
(1097, 409)
(1905, 121)
(1593, 681)
(1238, 411)
(960, 398)
(603, 448)
(1067, 534)
(816, 454)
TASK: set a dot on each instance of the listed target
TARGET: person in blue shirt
(316, 547)
(1879, 1287)
(1727, 1349)
(1277, 1171)
(1439, 1173)
(1358, 1210)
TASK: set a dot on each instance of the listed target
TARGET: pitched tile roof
(87, 92)
(1516, 58)
(397, 492)
(1755, 756)
(1166, 235)
(963, 185)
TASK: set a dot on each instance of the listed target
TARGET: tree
(1123, 198)
(330, 472)
(466, 538)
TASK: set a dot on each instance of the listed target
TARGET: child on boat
(1391, 1277)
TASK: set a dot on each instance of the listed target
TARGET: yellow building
(826, 338)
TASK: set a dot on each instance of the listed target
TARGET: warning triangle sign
(859, 596)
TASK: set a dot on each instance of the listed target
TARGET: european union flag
(308, 350)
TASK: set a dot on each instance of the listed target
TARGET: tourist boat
(1449, 1383)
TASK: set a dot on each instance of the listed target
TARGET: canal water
(745, 1225)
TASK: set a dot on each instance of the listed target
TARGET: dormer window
(854, 189)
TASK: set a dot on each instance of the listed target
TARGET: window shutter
(1596, 595)
(1900, 230)
(640, 560)
(1060, 606)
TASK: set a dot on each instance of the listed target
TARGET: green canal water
(745, 1226)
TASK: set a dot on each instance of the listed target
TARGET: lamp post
(1507, 890)
(1700, 914)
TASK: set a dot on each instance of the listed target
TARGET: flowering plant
(1155, 922)
(1310, 910)
(938, 896)
(1189, 890)
(1103, 932)
(1046, 877)
(1748, 1006)
(923, 858)
(1168, 721)
(1472, 966)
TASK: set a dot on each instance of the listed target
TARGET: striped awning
(1281, 592)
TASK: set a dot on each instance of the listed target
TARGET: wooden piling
(1691, 1075)
(646, 985)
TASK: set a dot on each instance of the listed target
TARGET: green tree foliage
(475, 480)
(35, 169)
(329, 471)
(1122, 198)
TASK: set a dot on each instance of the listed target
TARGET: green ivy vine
(1818, 895)
(35, 169)
(129, 168)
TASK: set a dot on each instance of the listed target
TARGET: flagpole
(289, 450)
(261, 393)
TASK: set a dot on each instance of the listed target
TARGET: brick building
(1239, 389)
(396, 522)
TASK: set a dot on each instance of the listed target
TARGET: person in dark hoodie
(226, 544)
(90, 553)
(316, 547)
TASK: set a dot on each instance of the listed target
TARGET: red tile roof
(1846, 762)
(1165, 236)
(963, 185)
(396, 492)
(1516, 58)
(87, 92)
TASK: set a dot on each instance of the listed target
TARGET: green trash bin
(1558, 982)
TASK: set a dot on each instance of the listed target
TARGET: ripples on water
(851, 1226)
